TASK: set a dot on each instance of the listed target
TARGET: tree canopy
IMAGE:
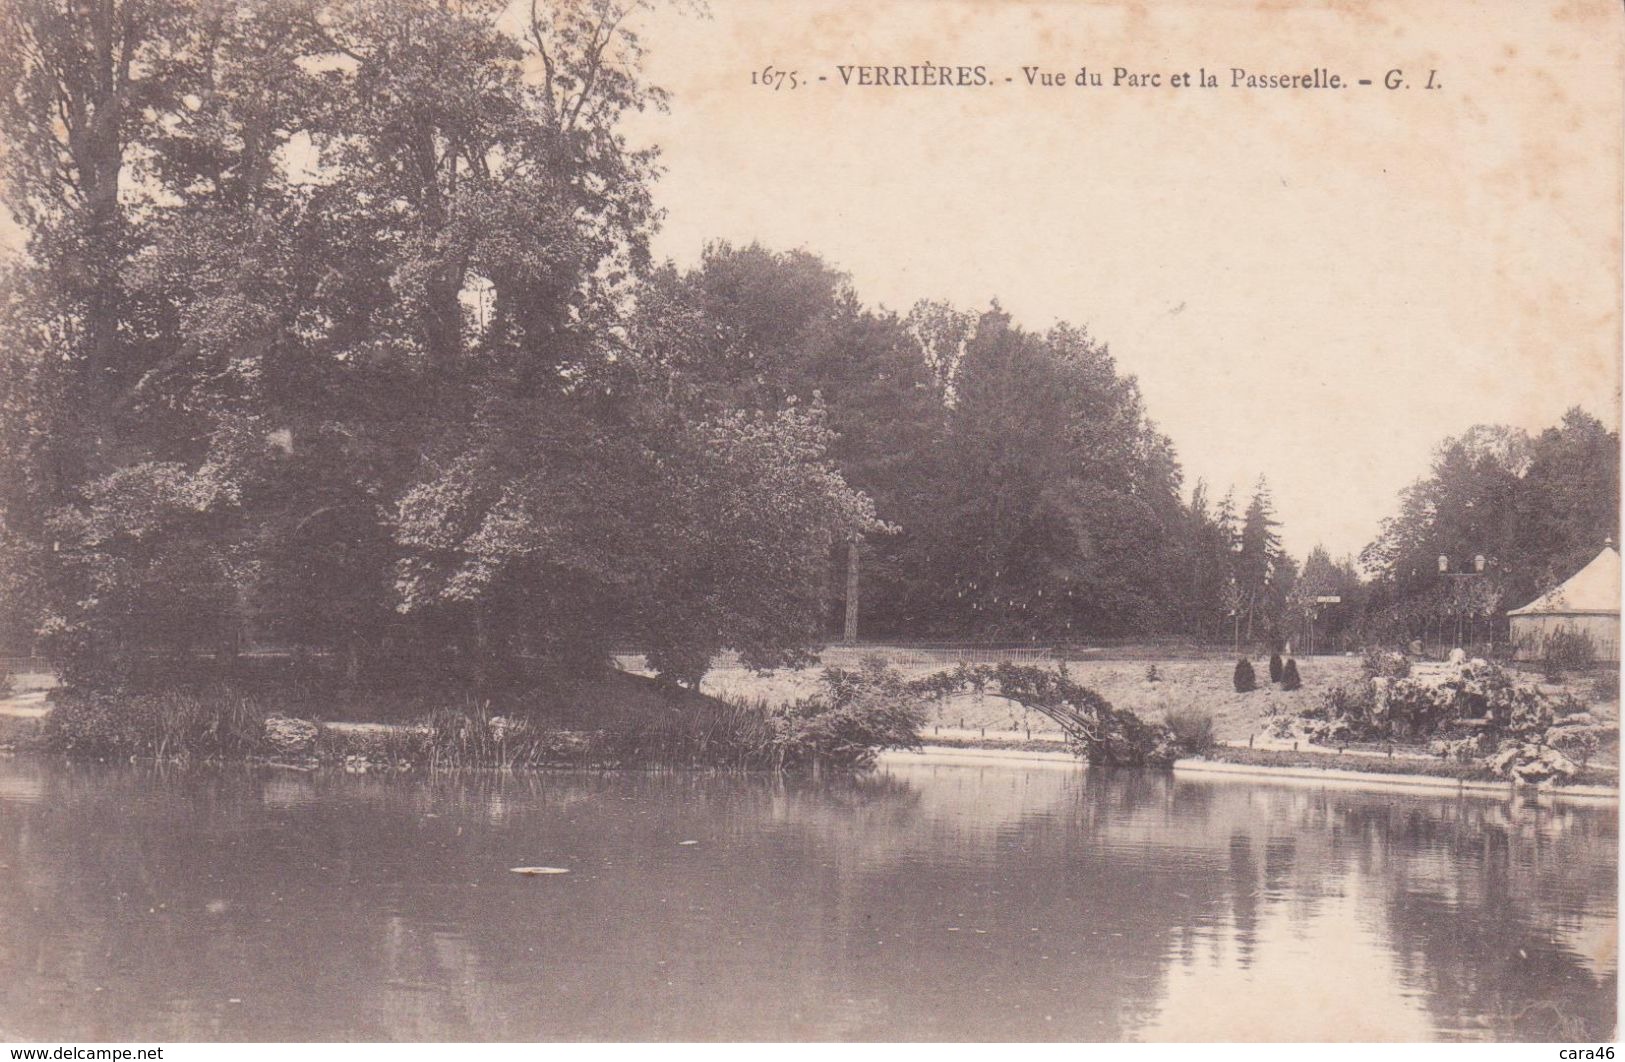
(322, 336)
(338, 329)
(1535, 508)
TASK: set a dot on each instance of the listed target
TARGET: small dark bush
(1152, 674)
(1289, 676)
(1605, 687)
(1275, 667)
(1244, 678)
(1192, 729)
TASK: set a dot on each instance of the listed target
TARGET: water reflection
(922, 902)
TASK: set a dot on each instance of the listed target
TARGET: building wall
(1529, 633)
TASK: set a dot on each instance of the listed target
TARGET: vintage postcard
(809, 520)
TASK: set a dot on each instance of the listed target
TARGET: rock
(1532, 764)
(1548, 765)
(1458, 656)
(1501, 763)
(503, 728)
(291, 737)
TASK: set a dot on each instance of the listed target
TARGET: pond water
(1019, 902)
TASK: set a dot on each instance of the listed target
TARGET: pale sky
(1318, 286)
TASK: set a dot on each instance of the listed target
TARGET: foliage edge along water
(855, 714)
(349, 341)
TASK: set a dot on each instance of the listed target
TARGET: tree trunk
(854, 547)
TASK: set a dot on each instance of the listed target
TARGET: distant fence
(897, 655)
(929, 656)
(1533, 648)
(26, 665)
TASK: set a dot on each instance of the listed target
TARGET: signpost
(1323, 599)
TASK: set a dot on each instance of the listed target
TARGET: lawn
(1181, 682)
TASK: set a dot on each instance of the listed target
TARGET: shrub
(1244, 678)
(1480, 696)
(1531, 764)
(856, 714)
(1578, 743)
(1152, 674)
(1275, 667)
(1192, 728)
(1469, 749)
(1376, 662)
(1343, 713)
(1568, 649)
(1289, 676)
(1605, 687)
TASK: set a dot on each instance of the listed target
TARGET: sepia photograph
(741, 521)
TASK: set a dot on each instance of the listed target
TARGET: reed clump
(201, 724)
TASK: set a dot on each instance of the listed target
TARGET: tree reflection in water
(920, 902)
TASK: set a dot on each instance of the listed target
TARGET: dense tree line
(1026, 492)
(338, 329)
(1537, 509)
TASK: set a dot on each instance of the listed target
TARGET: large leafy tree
(1059, 512)
(87, 478)
(753, 328)
(1535, 509)
(322, 331)
(1304, 613)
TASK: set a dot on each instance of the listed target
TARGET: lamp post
(1476, 570)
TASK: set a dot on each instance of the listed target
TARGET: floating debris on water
(537, 871)
(688, 842)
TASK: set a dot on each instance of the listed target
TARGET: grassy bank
(609, 719)
(1180, 684)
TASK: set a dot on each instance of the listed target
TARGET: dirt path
(29, 704)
